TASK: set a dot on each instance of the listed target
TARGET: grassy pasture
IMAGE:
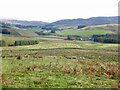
(53, 43)
(35, 30)
(84, 33)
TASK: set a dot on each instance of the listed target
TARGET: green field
(83, 33)
(35, 30)
(53, 43)
(60, 64)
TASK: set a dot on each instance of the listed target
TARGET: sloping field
(27, 33)
(21, 32)
(111, 27)
(84, 33)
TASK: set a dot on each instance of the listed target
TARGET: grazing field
(61, 64)
(53, 43)
(35, 30)
(84, 33)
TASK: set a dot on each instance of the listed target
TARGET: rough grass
(60, 64)
(85, 65)
(52, 73)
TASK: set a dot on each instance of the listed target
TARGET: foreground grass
(61, 64)
(59, 73)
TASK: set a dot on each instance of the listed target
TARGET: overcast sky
(53, 10)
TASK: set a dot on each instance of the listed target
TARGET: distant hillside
(111, 27)
(66, 23)
(25, 23)
(70, 23)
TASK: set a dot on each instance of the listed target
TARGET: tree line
(24, 42)
(107, 38)
(19, 43)
(4, 31)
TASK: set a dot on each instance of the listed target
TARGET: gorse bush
(19, 57)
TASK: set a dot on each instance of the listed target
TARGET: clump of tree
(25, 42)
(5, 25)
(75, 37)
(107, 38)
(42, 33)
(4, 31)
(81, 26)
(52, 31)
(27, 26)
(50, 27)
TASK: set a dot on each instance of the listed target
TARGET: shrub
(19, 57)
(21, 43)
(3, 56)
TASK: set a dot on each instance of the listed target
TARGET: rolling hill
(111, 27)
(94, 25)
(23, 22)
(66, 23)
(88, 31)
(73, 23)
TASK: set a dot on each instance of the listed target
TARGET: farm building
(75, 37)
